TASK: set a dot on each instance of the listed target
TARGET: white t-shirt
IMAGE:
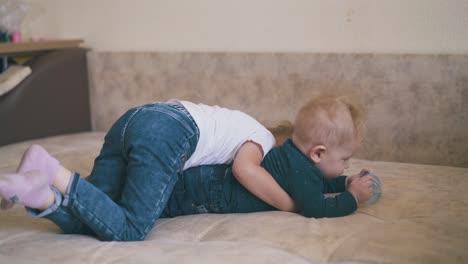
(222, 132)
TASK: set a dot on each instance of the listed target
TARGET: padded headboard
(418, 104)
(53, 100)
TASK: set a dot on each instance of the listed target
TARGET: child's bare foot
(29, 189)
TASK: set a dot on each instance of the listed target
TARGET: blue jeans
(133, 177)
(200, 190)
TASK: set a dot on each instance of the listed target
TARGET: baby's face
(335, 160)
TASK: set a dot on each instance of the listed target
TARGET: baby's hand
(364, 172)
(361, 188)
(351, 178)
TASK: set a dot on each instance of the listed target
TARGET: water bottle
(376, 189)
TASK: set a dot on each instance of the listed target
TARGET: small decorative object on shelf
(5, 36)
(12, 15)
(12, 77)
(16, 37)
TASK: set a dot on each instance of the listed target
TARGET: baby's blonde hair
(330, 121)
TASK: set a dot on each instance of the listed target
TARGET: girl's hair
(331, 121)
(282, 131)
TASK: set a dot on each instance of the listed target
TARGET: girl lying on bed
(150, 166)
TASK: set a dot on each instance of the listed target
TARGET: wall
(417, 104)
(390, 26)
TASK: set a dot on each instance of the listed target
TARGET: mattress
(421, 218)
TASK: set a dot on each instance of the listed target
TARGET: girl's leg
(30, 186)
(31, 189)
(108, 174)
(155, 144)
(52, 209)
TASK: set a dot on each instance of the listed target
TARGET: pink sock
(30, 188)
(37, 158)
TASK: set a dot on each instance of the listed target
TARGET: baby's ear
(316, 153)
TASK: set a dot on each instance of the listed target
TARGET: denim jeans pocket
(200, 209)
(210, 189)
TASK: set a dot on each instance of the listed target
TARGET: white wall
(386, 26)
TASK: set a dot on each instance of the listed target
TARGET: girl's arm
(257, 180)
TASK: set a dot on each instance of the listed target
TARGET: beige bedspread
(421, 218)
